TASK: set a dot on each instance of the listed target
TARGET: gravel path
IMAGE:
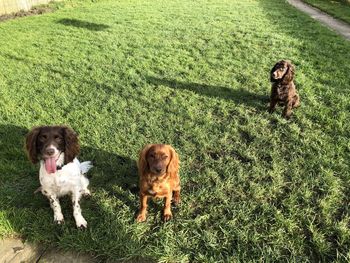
(331, 22)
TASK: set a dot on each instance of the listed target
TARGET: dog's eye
(43, 137)
(57, 137)
(151, 155)
(281, 69)
(164, 157)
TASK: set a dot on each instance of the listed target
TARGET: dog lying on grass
(56, 148)
(283, 91)
(158, 167)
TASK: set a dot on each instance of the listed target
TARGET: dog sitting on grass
(158, 167)
(61, 173)
(283, 91)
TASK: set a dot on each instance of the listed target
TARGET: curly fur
(283, 91)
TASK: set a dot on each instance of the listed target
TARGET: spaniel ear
(174, 164)
(289, 76)
(31, 144)
(142, 164)
(72, 147)
(272, 71)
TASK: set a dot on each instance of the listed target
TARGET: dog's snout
(50, 151)
(158, 169)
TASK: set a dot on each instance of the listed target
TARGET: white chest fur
(67, 180)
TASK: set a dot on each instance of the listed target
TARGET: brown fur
(63, 137)
(158, 167)
(283, 91)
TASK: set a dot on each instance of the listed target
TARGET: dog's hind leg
(296, 101)
(272, 107)
(84, 184)
(287, 111)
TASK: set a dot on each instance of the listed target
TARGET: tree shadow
(82, 24)
(239, 96)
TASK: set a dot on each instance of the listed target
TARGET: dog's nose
(158, 169)
(50, 151)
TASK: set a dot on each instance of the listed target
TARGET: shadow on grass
(319, 64)
(113, 173)
(82, 24)
(110, 169)
(30, 215)
(239, 96)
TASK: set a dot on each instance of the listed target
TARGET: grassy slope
(337, 8)
(193, 74)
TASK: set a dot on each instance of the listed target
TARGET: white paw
(81, 222)
(87, 193)
(58, 219)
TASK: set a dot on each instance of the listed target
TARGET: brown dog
(283, 89)
(159, 177)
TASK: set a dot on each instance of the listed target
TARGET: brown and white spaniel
(61, 173)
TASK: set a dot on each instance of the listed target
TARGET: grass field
(194, 74)
(337, 8)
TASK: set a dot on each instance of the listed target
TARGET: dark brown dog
(283, 89)
(158, 167)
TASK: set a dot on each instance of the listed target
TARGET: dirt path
(334, 24)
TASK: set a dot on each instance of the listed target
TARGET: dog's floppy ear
(289, 76)
(31, 144)
(272, 71)
(174, 164)
(142, 164)
(71, 142)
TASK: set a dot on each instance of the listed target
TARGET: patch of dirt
(38, 10)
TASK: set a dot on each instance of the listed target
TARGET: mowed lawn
(194, 74)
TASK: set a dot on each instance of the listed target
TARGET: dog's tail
(85, 167)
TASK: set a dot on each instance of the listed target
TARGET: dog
(61, 173)
(283, 91)
(158, 168)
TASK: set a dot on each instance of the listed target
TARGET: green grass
(194, 74)
(337, 8)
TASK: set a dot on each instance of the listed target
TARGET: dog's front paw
(141, 217)
(176, 201)
(167, 217)
(81, 223)
(87, 193)
(287, 116)
(59, 221)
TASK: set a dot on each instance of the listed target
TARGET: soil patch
(37, 10)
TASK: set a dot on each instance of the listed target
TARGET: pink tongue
(50, 165)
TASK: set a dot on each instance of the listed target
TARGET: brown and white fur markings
(61, 173)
